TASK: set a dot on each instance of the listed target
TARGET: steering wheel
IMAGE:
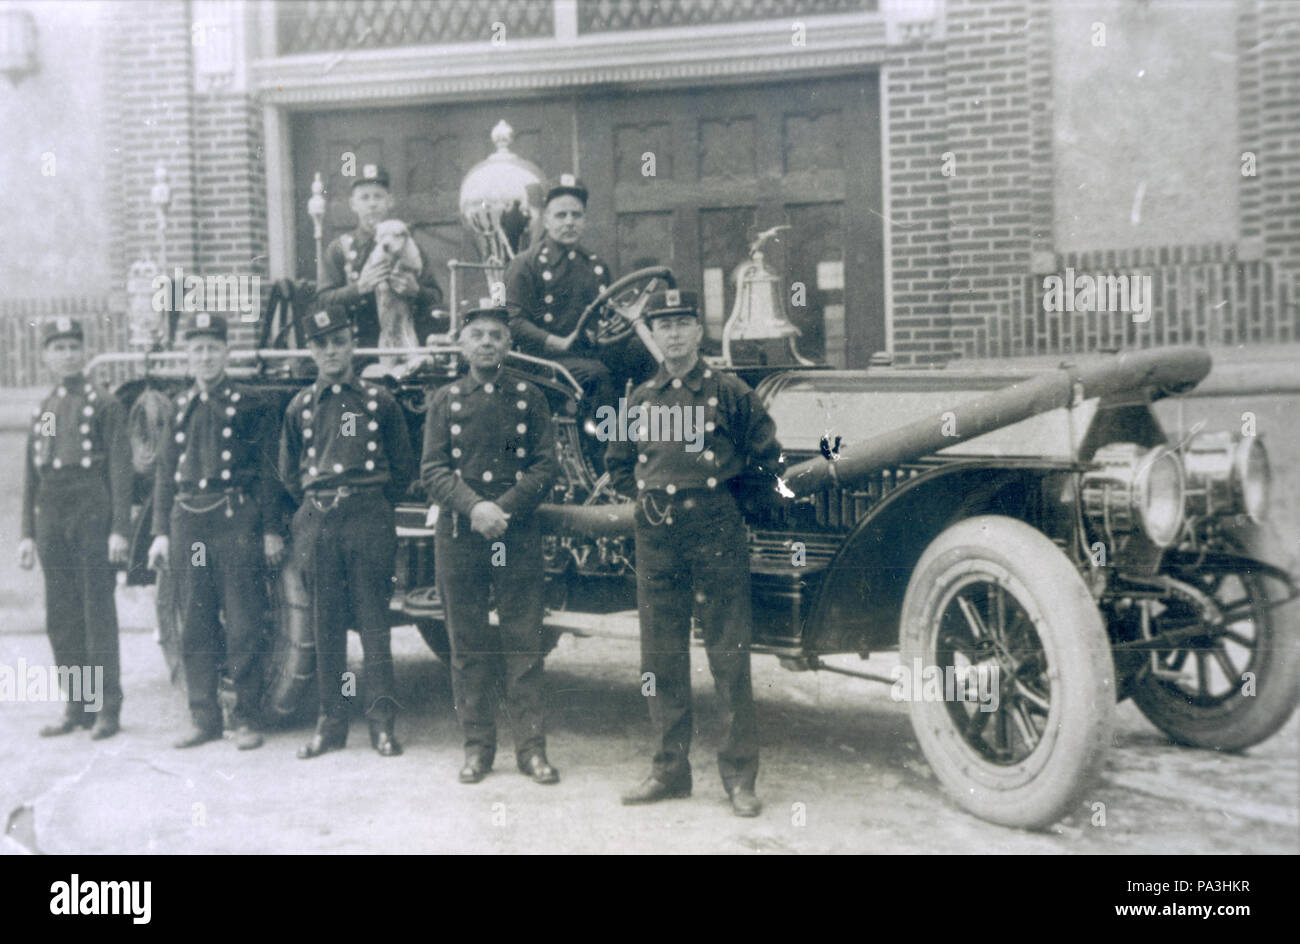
(618, 307)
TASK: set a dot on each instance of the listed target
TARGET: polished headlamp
(1133, 489)
(1227, 474)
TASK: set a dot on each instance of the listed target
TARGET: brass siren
(758, 314)
(501, 203)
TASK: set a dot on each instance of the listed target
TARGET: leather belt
(328, 498)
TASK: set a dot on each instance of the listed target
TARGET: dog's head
(392, 236)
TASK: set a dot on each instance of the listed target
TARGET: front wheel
(1012, 689)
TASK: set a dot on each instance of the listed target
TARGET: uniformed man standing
(691, 547)
(345, 455)
(76, 514)
(488, 462)
(548, 287)
(216, 521)
(349, 277)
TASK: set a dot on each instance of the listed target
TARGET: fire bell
(758, 314)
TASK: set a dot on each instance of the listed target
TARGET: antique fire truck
(1035, 531)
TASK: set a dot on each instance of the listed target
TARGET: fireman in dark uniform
(345, 455)
(691, 546)
(216, 520)
(548, 287)
(349, 278)
(76, 514)
(488, 461)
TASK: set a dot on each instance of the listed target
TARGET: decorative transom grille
(601, 16)
(325, 25)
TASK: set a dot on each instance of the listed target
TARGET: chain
(655, 516)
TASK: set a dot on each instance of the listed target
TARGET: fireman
(488, 461)
(345, 456)
(691, 550)
(76, 514)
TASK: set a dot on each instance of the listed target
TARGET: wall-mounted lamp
(18, 45)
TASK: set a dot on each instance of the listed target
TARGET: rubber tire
(1046, 785)
(289, 667)
(167, 610)
(1246, 721)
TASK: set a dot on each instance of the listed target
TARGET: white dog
(394, 243)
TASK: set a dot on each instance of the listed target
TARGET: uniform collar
(321, 386)
(694, 378)
(74, 384)
(471, 384)
(220, 391)
(555, 250)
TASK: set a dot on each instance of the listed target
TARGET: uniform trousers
(691, 554)
(345, 549)
(485, 658)
(219, 566)
(73, 519)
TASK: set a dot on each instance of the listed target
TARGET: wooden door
(687, 178)
(427, 150)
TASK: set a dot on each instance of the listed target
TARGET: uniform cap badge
(672, 297)
(322, 318)
(370, 170)
(202, 320)
(64, 324)
(567, 180)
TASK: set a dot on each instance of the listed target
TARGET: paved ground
(839, 756)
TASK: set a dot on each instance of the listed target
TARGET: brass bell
(758, 314)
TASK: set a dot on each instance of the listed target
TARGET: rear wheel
(289, 666)
(1012, 690)
(170, 625)
(1237, 684)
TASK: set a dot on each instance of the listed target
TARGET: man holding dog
(351, 276)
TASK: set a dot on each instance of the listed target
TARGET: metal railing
(247, 363)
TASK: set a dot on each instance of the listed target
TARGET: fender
(858, 603)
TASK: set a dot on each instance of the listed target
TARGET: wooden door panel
(734, 160)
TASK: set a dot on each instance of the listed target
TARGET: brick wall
(916, 84)
(1274, 59)
(231, 191)
(150, 122)
(970, 248)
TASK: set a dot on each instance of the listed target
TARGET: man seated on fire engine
(548, 286)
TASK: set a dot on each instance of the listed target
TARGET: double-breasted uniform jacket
(79, 427)
(738, 435)
(349, 433)
(547, 287)
(488, 441)
(217, 441)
